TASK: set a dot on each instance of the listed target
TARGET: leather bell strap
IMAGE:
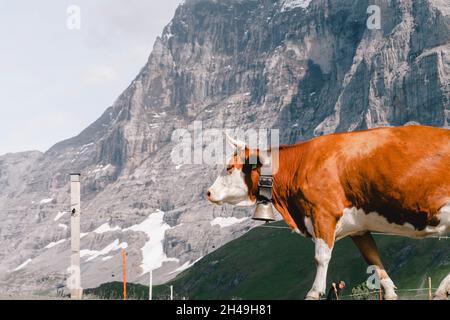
(265, 184)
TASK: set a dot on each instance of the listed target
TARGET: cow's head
(238, 182)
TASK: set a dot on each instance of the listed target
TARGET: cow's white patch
(230, 188)
(309, 226)
(355, 221)
(322, 257)
(444, 216)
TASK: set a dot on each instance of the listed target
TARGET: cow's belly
(355, 221)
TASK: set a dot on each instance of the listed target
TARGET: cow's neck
(286, 192)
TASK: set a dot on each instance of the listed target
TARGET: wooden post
(124, 270)
(76, 292)
(380, 294)
(430, 293)
(150, 287)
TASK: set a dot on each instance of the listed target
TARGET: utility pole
(150, 288)
(171, 292)
(76, 291)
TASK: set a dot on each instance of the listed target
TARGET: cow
(393, 180)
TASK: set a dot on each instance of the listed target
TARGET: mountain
(306, 67)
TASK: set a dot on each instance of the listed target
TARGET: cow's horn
(235, 143)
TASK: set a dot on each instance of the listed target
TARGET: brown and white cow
(394, 180)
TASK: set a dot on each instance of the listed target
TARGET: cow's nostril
(208, 194)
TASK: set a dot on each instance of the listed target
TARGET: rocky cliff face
(306, 67)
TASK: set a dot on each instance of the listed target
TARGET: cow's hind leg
(368, 248)
(443, 292)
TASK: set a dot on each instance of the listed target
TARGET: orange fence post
(124, 269)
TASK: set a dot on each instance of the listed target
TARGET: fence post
(430, 293)
(150, 288)
(124, 270)
(380, 294)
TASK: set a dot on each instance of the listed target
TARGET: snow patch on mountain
(153, 251)
(185, 266)
(62, 225)
(53, 244)
(226, 222)
(292, 4)
(59, 215)
(23, 265)
(94, 254)
(46, 201)
(106, 228)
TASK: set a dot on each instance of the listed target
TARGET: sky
(56, 78)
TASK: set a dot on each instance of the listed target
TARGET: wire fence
(378, 294)
(374, 233)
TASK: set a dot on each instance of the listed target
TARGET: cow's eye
(229, 170)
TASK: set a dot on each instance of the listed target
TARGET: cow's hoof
(440, 296)
(313, 295)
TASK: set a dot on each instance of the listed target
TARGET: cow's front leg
(322, 258)
(324, 242)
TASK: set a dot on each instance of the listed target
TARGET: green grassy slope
(271, 263)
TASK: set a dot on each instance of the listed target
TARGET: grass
(271, 263)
